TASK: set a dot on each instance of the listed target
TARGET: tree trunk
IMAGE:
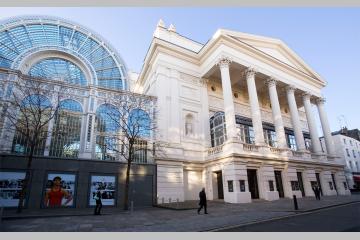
(127, 183)
(26, 181)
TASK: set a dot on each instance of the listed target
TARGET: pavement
(165, 219)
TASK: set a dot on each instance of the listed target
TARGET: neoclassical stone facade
(250, 101)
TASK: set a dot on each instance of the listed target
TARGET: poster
(106, 186)
(10, 188)
(59, 190)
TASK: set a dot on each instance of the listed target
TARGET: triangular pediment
(275, 48)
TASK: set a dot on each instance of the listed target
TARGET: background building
(348, 148)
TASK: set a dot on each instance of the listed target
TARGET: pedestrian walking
(202, 203)
(98, 206)
(316, 190)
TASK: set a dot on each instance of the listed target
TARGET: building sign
(59, 190)
(10, 188)
(106, 186)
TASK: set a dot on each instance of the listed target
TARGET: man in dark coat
(202, 203)
(316, 190)
(98, 203)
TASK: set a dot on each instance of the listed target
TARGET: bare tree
(133, 125)
(32, 104)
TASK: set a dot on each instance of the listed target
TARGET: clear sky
(327, 39)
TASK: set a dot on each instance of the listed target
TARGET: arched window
(65, 141)
(218, 129)
(107, 126)
(139, 123)
(139, 127)
(35, 111)
(189, 124)
(58, 69)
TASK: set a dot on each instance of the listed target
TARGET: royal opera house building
(235, 115)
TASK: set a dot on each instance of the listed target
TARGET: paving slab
(156, 219)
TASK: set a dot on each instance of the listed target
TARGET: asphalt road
(336, 219)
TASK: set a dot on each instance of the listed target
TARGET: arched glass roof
(58, 69)
(21, 36)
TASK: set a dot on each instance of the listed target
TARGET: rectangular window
(270, 138)
(295, 185)
(271, 185)
(242, 185)
(10, 188)
(140, 151)
(308, 144)
(105, 185)
(230, 186)
(246, 133)
(291, 142)
(347, 152)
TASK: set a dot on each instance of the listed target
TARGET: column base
(238, 197)
(271, 195)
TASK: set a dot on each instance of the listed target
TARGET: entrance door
(279, 184)
(318, 182)
(301, 184)
(220, 185)
(333, 179)
(253, 183)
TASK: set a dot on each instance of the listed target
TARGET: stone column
(300, 143)
(325, 126)
(254, 105)
(228, 98)
(315, 142)
(276, 112)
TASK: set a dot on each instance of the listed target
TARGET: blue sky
(327, 39)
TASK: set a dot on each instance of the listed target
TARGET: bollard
(132, 207)
(295, 203)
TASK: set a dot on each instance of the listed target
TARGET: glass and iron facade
(91, 74)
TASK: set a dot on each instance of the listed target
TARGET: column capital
(223, 61)
(250, 71)
(320, 100)
(270, 81)
(290, 88)
(306, 95)
(204, 81)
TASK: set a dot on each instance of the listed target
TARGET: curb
(295, 213)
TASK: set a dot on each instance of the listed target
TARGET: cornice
(159, 45)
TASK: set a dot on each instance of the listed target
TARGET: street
(336, 219)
